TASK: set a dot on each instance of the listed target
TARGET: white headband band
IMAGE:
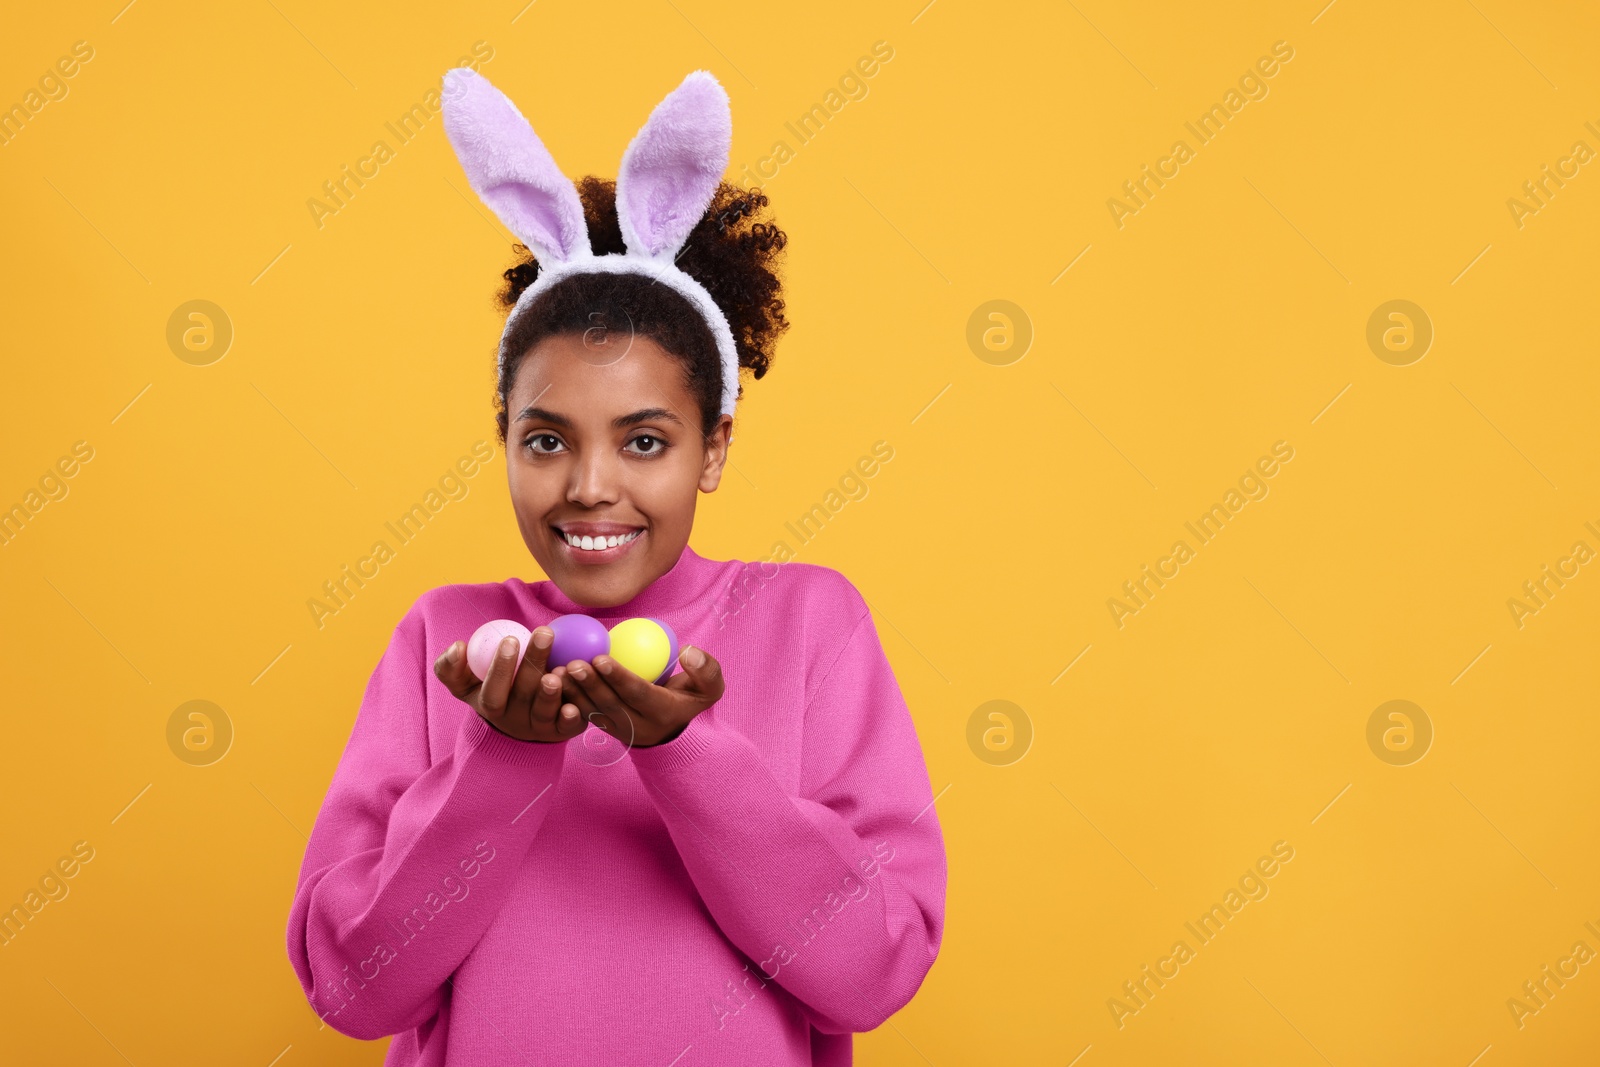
(667, 274)
(670, 172)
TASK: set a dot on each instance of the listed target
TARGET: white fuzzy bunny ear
(672, 167)
(511, 170)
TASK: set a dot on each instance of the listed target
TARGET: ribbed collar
(689, 579)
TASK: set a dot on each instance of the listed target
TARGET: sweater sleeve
(410, 860)
(837, 893)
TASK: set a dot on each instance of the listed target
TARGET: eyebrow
(618, 423)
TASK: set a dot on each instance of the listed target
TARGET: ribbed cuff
(700, 736)
(478, 735)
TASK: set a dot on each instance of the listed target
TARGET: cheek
(534, 491)
(665, 492)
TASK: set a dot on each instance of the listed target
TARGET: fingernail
(603, 665)
(551, 683)
(694, 657)
(542, 637)
(508, 646)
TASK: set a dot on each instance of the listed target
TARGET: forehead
(595, 376)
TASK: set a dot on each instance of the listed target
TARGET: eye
(650, 439)
(540, 438)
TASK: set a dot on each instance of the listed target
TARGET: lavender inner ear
(672, 167)
(510, 169)
(538, 218)
(660, 206)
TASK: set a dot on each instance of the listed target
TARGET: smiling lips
(597, 542)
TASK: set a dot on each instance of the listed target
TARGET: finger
(539, 648)
(570, 720)
(570, 713)
(525, 686)
(605, 698)
(582, 691)
(638, 695)
(496, 692)
(444, 668)
(451, 669)
(702, 674)
(546, 711)
(569, 723)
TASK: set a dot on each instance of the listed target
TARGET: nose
(595, 478)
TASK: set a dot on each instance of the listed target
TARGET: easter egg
(645, 646)
(485, 642)
(672, 655)
(577, 637)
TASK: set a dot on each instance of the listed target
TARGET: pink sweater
(749, 893)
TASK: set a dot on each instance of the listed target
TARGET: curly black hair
(733, 251)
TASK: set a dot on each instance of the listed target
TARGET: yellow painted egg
(647, 647)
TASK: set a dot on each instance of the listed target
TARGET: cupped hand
(521, 701)
(636, 712)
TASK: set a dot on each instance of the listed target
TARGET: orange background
(1159, 759)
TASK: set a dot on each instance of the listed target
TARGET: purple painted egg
(577, 637)
(672, 640)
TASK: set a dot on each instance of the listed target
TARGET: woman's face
(603, 439)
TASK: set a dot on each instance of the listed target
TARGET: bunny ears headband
(670, 171)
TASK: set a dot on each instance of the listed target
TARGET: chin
(596, 583)
(599, 591)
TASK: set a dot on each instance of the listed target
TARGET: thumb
(451, 669)
(703, 670)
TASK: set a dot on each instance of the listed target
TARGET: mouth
(588, 544)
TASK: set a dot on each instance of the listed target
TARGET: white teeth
(594, 544)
